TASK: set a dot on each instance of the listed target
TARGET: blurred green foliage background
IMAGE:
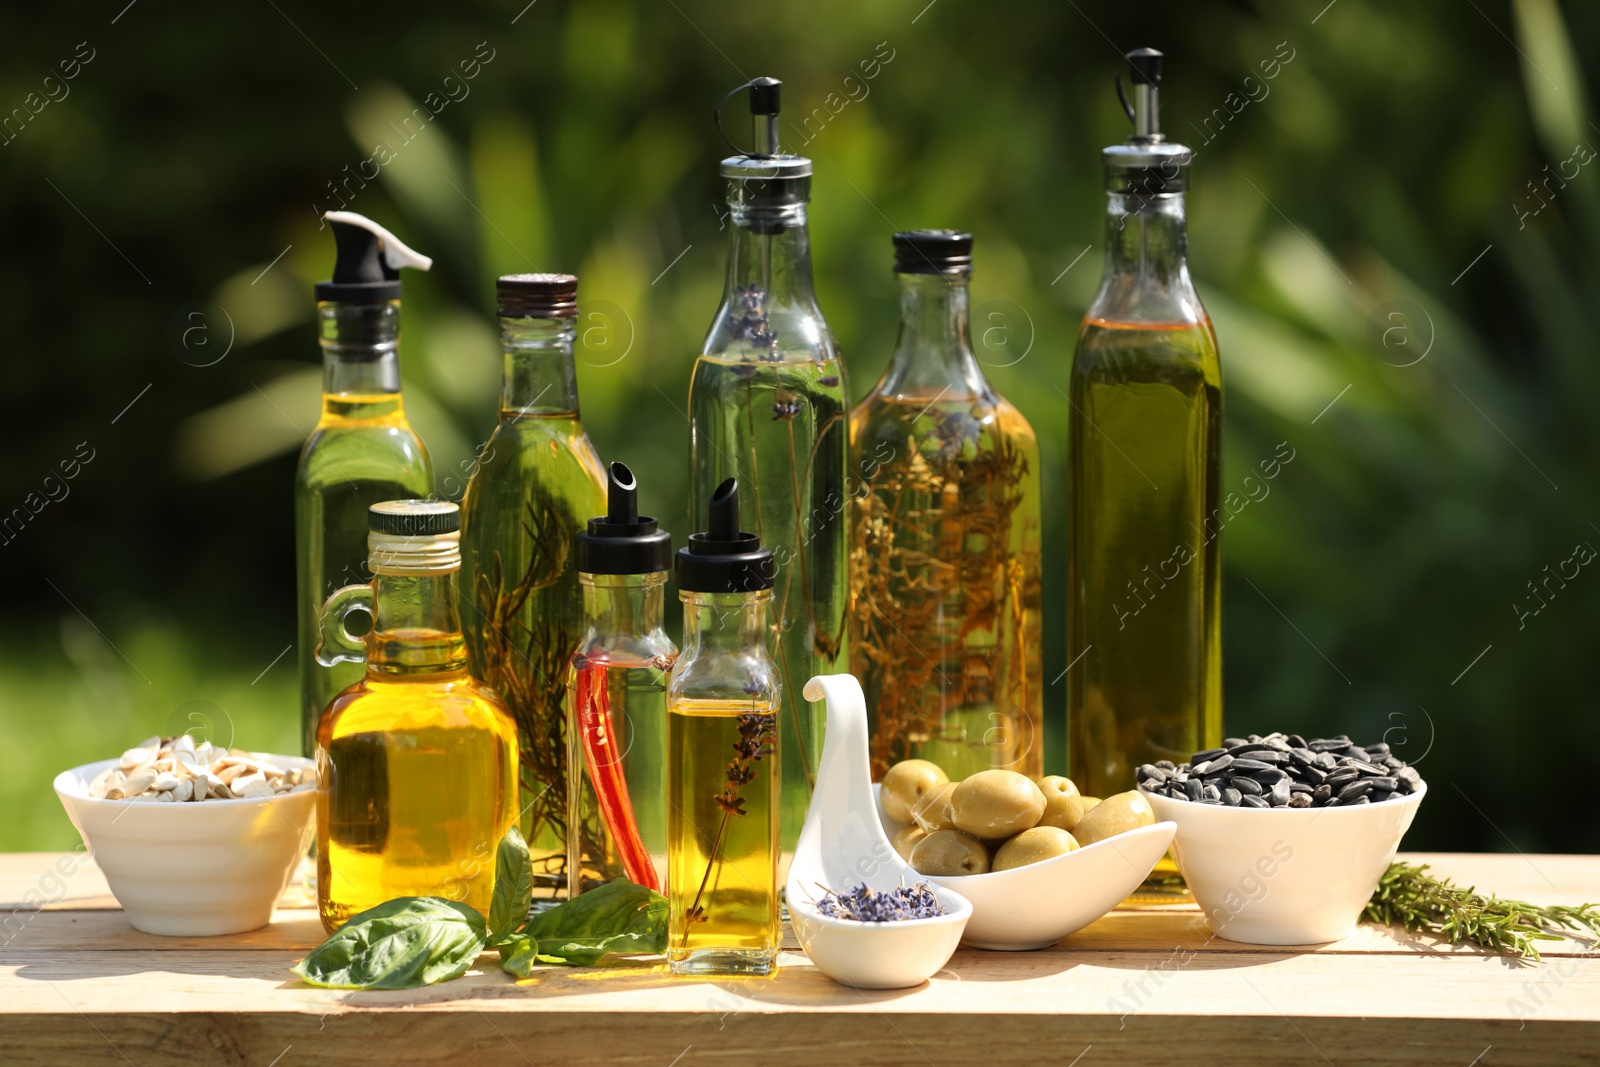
(1417, 160)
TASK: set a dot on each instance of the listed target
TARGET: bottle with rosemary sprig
(723, 747)
(767, 405)
(538, 478)
(944, 553)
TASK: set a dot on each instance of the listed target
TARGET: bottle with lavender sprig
(723, 749)
(767, 403)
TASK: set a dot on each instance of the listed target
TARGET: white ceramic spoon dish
(842, 846)
(1037, 905)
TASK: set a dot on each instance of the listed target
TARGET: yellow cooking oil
(722, 831)
(1143, 561)
(426, 787)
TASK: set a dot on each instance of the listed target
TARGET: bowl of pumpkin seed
(194, 839)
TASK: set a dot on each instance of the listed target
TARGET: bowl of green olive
(1037, 859)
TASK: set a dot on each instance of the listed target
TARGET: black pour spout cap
(622, 541)
(725, 559)
(369, 258)
(1146, 64)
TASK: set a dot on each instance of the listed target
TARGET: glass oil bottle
(417, 761)
(617, 696)
(723, 747)
(363, 450)
(537, 479)
(944, 551)
(1143, 455)
(767, 405)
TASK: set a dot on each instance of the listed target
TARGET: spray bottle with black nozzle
(617, 697)
(363, 450)
(767, 402)
(1143, 559)
(725, 737)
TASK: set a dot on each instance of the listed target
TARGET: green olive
(950, 852)
(908, 782)
(995, 805)
(906, 840)
(1114, 815)
(933, 812)
(1063, 806)
(1031, 846)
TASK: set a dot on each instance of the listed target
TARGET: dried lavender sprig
(865, 904)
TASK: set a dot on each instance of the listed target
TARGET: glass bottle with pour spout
(417, 762)
(724, 743)
(767, 404)
(945, 555)
(617, 696)
(1143, 455)
(537, 479)
(363, 450)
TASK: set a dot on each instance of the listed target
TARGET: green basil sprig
(416, 941)
(618, 917)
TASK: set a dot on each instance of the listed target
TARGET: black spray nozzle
(622, 495)
(368, 260)
(764, 103)
(1145, 110)
(1146, 64)
(725, 559)
(623, 541)
(724, 525)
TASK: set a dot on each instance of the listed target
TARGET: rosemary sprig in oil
(1408, 896)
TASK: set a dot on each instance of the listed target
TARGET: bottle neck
(933, 353)
(1146, 269)
(769, 255)
(360, 358)
(416, 628)
(731, 623)
(623, 604)
(539, 378)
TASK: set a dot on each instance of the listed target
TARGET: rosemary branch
(1409, 897)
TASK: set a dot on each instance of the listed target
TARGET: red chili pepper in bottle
(598, 737)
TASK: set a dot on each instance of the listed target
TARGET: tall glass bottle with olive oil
(363, 450)
(767, 404)
(1143, 565)
(538, 479)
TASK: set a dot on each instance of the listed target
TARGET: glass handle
(338, 644)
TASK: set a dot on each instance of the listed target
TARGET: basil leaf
(518, 954)
(618, 917)
(513, 887)
(400, 944)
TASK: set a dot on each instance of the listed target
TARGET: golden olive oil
(1143, 562)
(361, 453)
(722, 837)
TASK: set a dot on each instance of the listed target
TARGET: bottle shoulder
(345, 456)
(374, 705)
(526, 464)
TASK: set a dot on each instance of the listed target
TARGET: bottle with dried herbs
(767, 404)
(537, 479)
(617, 696)
(363, 450)
(723, 747)
(1144, 559)
(417, 760)
(944, 553)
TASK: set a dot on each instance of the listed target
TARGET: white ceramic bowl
(193, 869)
(1285, 876)
(1037, 905)
(841, 846)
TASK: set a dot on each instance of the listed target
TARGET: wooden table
(79, 985)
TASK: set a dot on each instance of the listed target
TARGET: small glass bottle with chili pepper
(617, 697)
